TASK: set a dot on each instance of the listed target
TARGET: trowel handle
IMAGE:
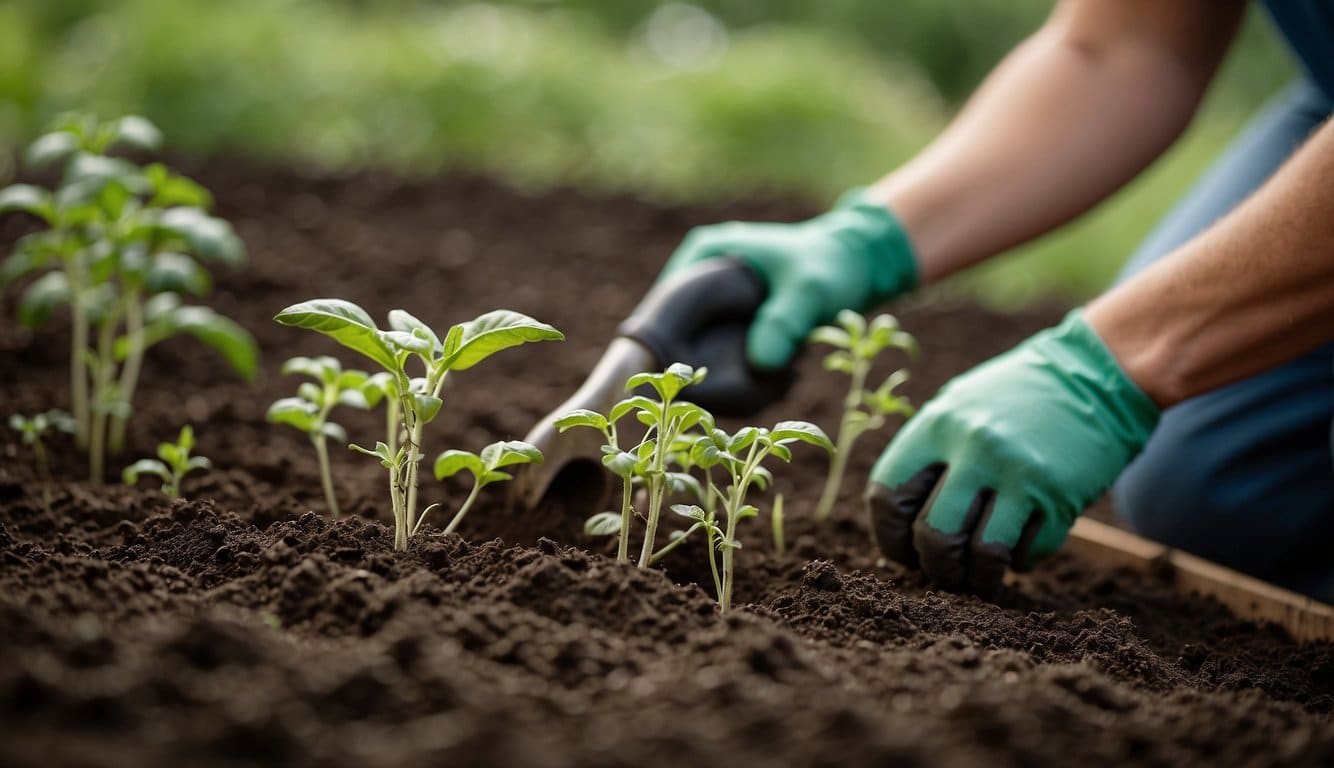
(700, 317)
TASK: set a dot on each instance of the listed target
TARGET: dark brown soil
(240, 628)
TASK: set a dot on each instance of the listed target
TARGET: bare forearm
(1071, 116)
(1251, 292)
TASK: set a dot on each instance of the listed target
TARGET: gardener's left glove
(993, 471)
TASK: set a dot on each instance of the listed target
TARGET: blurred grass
(742, 97)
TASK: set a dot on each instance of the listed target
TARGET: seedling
(624, 464)
(32, 430)
(309, 410)
(172, 464)
(414, 400)
(776, 526)
(485, 469)
(740, 457)
(122, 242)
(857, 346)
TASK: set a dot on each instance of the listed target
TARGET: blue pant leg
(1244, 475)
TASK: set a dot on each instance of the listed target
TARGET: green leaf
(344, 322)
(762, 478)
(44, 295)
(749, 510)
(427, 406)
(225, 336)
(333, 431)
(137, 132)
(50, 148)
(742, 440)
(683, 482)
(177, 273)
(852, 322)
(25, 198)
(621, 463)
(840, 361)
(209, 237)
(581, 417)
(787, 431)
(351, 379)
(186, 439)
(132, 473)
(452, 462)
(828, 334)
(637, 402)
(354, 398)
(508, 452)
(495, 331)
(30, 253)
(690, 511)
(408, 342)
(294, 412)
(669, 383)
(317, 368)
(171, 189)
(381, 452)
(781, 451)
(403, 322)
(197, 462)
(98, 170)
(603, 524)
(686, 414)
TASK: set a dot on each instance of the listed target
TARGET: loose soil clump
(241, 628)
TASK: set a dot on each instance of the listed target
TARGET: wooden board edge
(1307, 620)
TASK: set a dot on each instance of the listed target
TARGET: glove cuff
(873, 231)
(1128, 413)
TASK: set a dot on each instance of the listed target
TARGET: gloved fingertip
(769, 347)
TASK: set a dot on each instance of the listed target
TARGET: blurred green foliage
(712, 100)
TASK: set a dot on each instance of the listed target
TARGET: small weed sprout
(122, 243)
(172, 464)
(857, 344)
(485, 468)
(740, 457)
(414, 399)
(32, 430)
(309, 410)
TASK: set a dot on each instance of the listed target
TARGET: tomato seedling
(740, 457)
(172, 464)
(414, 400)
(857, 344)
(122, 243)
(485, 468)
(32, 431)
(624, 464)
(309, 410)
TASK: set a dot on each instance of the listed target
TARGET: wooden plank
(1305, 619)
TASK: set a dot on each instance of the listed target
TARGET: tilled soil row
(242, 628)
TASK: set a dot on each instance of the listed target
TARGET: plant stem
(463, 510)
(838, 465)
(326, 479)
(776, 522)
(725, 599)
(623, 547)
(129, 374)
(657, 485)
(400, 532)
(414, 465)
(678, 541)
(102, 387)
(713, 564)
(78, 368)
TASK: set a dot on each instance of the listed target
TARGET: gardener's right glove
(853, 257)
(992, 472)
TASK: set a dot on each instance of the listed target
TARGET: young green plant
(410, 343)
(485, 468)
(624, 464)
(32, 431)
(857, 344)
(172, 464)
(122, 243)
(309, 410)
(740, 457)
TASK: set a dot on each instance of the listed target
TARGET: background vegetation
(712, 100)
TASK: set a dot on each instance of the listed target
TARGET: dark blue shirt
(1308, 26)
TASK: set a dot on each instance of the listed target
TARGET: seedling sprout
(857, 344)
(32, 431)
(309, 410)
(414, 400)
(172, 464)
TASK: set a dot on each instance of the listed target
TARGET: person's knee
(1164, 494)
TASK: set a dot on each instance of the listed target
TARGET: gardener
(1201, 385)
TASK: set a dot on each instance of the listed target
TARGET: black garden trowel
(699, 317)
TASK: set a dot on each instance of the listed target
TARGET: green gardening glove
(853, 257)
(993, 471)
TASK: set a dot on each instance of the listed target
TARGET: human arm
(993, 471)
(1075, 112)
